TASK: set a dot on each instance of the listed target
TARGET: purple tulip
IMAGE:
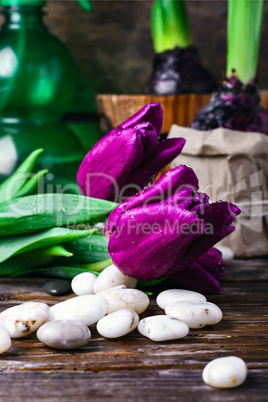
(129, 157)
(167, 227)
(201, 275)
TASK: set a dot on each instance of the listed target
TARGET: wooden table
(136, 368)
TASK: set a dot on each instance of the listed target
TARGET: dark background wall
(112, 44)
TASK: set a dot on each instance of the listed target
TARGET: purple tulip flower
(167, 227)
(129, 157)
(201, 275)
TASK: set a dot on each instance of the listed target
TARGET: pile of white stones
(112, 303)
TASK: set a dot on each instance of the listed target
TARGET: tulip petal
(195, 278)
(218, 217)
(151, 112)
(107, 166)
(168, 184)
(212, 262)
(199, 198)
(184, 198)
(165, 152)
(150, 239)
(221, 214)
(149, 138)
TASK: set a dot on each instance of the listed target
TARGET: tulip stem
(150, 283)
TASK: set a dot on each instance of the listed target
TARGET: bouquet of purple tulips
(160, 229)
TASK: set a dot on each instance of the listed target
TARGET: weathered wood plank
(135, 353)
(247, 270)
(127, 385)
(134, 367)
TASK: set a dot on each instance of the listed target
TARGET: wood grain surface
(179, 109)
(136, 368)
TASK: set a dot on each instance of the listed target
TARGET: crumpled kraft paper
(232, 166)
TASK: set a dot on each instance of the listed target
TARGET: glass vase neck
(17, 17)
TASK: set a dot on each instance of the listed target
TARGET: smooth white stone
(115, 288)
(227, 253)
(120, 298)
(111, 277)
(195, 314)
(163, 328)
(24, 319)
(88, 309)
(5, 340)
(64, 334)
(173, 295)
(225, 372)
(83, 284)
(118, 324)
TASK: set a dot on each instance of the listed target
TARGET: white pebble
(87, 308)
(120, 298)
(118, 324)
(24, 319)
(83, 284)
(172, 295)
(64, 334)
(111, 277)
(163, 328)
(225, 372)
(5, 340)
(195, 314)
(227, 253)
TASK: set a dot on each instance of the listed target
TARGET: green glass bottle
(37, 83)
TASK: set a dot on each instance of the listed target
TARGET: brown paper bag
(232, 166)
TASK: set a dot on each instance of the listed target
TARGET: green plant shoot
(170, 25)
(243, 40)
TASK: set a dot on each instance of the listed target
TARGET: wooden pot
(179, 109)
